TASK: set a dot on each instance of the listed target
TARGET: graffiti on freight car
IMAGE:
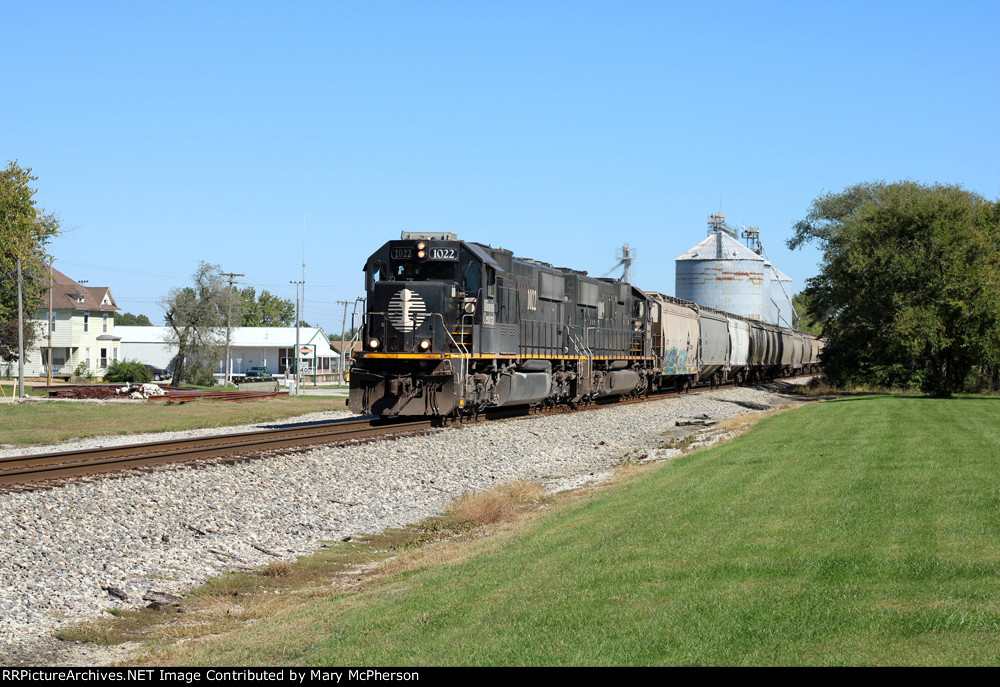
(674, 362)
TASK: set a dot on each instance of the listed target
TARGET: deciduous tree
(266, 310)
(196, 316)
(808, 320)
(25, 230)
(909, 287)
(127, 319)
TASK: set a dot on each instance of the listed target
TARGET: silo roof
(779, 275)
(720, 246)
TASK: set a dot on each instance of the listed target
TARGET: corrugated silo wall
(735, 286)
(781, 294)
(769, 309)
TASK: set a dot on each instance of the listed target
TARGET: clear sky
(246, 134)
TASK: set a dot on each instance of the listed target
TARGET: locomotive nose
(407, 372)
(403, 314)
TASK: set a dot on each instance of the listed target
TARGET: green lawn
(863, 531)
(9, 390)
(56, 421)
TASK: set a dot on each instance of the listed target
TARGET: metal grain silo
(770, 310)
(781, 297)
(722, 273)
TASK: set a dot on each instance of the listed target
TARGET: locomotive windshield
(424, 271)
(468, 275)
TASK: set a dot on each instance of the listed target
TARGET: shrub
(199, 375)
(83, 370)
(128, 371)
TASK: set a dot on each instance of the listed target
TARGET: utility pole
(49, 365)
(229, 313)
(20, 334)
(343, 328)
(295, 357)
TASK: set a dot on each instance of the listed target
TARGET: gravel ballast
(68, 553)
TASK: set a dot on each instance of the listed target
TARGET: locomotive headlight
(425, 344)
(373, 343)
(470, 307)
(421, 245)
(421, 254)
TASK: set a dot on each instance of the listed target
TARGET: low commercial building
(270, 347)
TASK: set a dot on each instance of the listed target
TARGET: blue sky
(246, 134)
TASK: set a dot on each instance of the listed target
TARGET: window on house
(114, 356)
(87, 359)
(105, 323)
(52, 327)
(104, 358)
(86, 322)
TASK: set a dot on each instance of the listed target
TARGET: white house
(82, 327)
(270, 347)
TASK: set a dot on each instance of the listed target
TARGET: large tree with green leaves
(196, 316)
(909, 288)
(25, 230)
(808, 320)
(266, 310)
(127, 319)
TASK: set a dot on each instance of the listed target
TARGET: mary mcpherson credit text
(289, 675)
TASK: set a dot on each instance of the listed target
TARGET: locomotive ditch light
(373, 343)
(470, 307)
(425, 344)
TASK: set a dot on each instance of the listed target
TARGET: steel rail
(44, 466)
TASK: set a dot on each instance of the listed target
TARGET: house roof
(70, 295)
(337, 345)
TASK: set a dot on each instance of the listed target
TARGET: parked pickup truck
(257, 374)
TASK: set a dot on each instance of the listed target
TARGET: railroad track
(45, 466)
(30, 469)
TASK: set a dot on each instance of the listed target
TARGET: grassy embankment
(858, 531)
(55, 421)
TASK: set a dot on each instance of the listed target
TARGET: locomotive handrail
(385, 324)
(586, 338)
(581, 344)
(464, 369)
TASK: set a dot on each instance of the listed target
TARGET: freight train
(454, 327)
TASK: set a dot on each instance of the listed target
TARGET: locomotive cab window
(491, 281)
(470, 282)
(377, 271)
